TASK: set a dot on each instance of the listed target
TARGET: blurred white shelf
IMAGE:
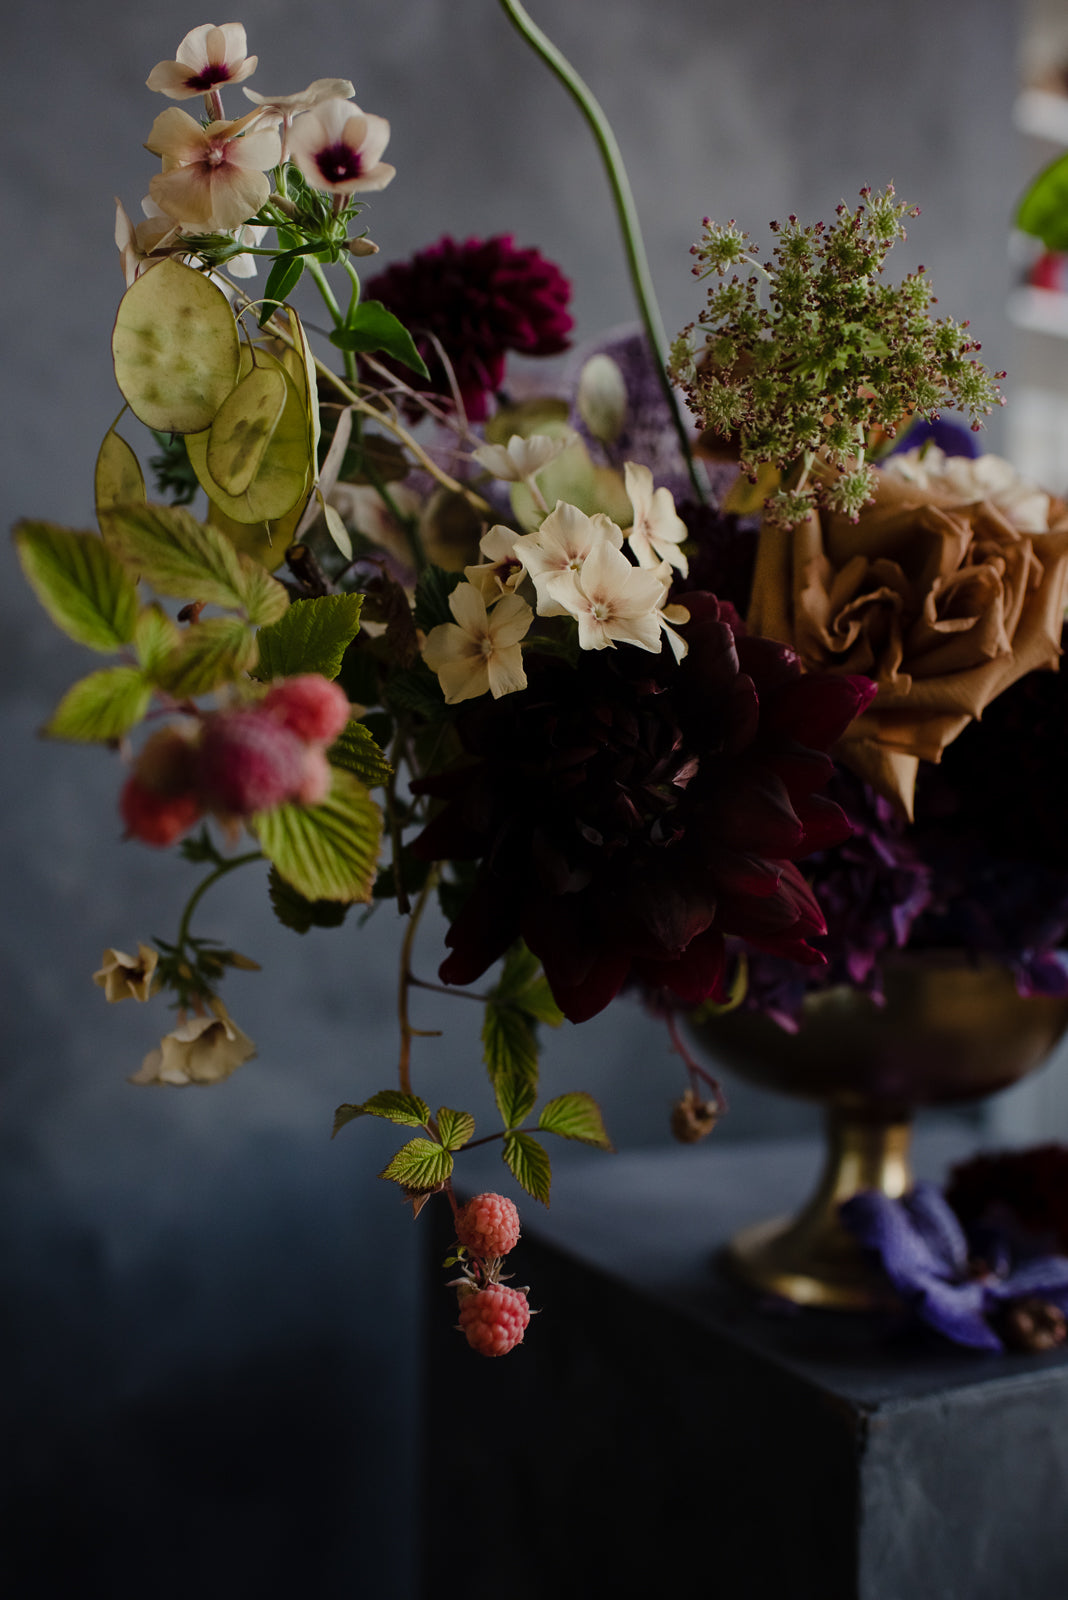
(1039, 310)
(1042, 115)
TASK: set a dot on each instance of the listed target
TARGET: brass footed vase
(951, 1031)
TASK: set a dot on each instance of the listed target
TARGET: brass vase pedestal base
(811, 1259)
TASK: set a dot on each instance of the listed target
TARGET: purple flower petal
(1042, 1278)
(956, 1310)
(883, 1225)
(937, 1224)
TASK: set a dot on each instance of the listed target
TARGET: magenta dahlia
(630, 812)
(480, 299)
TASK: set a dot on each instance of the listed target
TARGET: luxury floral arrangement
(574, 666)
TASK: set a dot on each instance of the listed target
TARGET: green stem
(334, 309)
(637, 262)
(202, 888)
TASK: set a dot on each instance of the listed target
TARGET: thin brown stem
(407, 1032)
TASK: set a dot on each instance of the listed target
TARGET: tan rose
(944, 600)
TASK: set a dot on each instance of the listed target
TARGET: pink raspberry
(494, 1319)
(249, 762)
(316, 779)
(488, 1226)
(310, 706)
(154, 817)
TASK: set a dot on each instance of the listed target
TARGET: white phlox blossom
(213, 178)
(481, 649)
(502, 571)
(339, 148)
(562, 544)
(207, 57)
(520, 458)
(658, 529)
(613, 601)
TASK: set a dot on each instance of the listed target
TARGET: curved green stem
(202, 888)
(330, 300)
(637, 262)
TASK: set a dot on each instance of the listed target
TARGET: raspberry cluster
(236, 762)
(493, 1318)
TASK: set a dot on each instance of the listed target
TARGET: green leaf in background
(511, 1056)
(522, 984)
(103, 706)
(529, 1164)
(454, 1127)
(311, 636)
(420, 1164)
(1043, 211)
(355, 750)
(209, 654)
(373, 328)
(432, 597)
(575, 1116)
(329, 851)
(119, 480)
(295, 911)
(175, 347)
(407, 1109)
(83, 587)
(155, 638)
(181, 557)
(281, 281)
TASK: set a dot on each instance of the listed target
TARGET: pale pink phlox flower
(215, 177)
(658, 530)
(207, 57)
(338, 148)
(480, 651)
(562, 543)
(502, 572)
(289, 106)
(138, 243)
(612, 600)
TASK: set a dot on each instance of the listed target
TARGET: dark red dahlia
(480, 299)
(628, 813)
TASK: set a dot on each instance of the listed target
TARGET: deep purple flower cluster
(629, 813)
(479, 300)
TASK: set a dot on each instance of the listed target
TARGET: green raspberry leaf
(372, 328)
(357, 751)
(432, 597)
(295, 911)
(155, 638)
(529, 1164)
(328, 851)
(511, 1056)
(407, 1109)
(575, 1116)
(209, 654)
(183, 558)
(101, 707)
(420, 1164)
(454, 1127)
(312, 636)
(85, 590)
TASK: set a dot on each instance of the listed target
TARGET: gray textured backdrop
(212, 1311)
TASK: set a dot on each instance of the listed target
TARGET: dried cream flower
(613, 600)
(207, 57)
(124, 977)
(137, 242)
(213, 178)
(658, 530)
(502, 572)
(338, 148)
(965, 481)
(287, 105)
(199, 1050)
(521, 458)
(480, 650)
(562, 544)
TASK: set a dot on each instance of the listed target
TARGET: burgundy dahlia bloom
(630, 812)
(480, 299)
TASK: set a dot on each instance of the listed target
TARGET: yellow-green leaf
(175, 348)
(420, 1164)
(575, 1116)
(243, 428)
(356, 749)
(454, 1127)
(103, 706)
(329, 851)
(119, 480)
(529, 1164)
(410, 1110)
(312, 636)
(266, 542)
(209, 654)
(286, 468)
(155, 637)
(84, 588)
(181, 557)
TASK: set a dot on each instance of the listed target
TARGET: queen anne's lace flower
(339, 148)
(207, 57)
(213, 177)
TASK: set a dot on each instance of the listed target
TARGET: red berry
(249, 762)
(494, 1319)
(310, 706)
(315, 783)
(153, 817)
(488, 1226)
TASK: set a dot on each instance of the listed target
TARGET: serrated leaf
(529, 1164)
(328, 851)
(242, 429)
(454, 1127)
(103, 706)
(82, 585)
(175, 347)
(345, 1114)
(118, 479)
(312, 636)
(575, 1116)
(155, 637)
(521, 966)
(281, 281)
(209, 654)
(416, 691)
(286, 469)
(432, 593)
(181, 557)
(511, 1055)
(1043, 211)
(408, 1109)
(537, 1001)
(420, 1164)
(374, 328)
(357, 752)
(295, 911)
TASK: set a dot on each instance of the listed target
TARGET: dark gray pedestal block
(657, 1428)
